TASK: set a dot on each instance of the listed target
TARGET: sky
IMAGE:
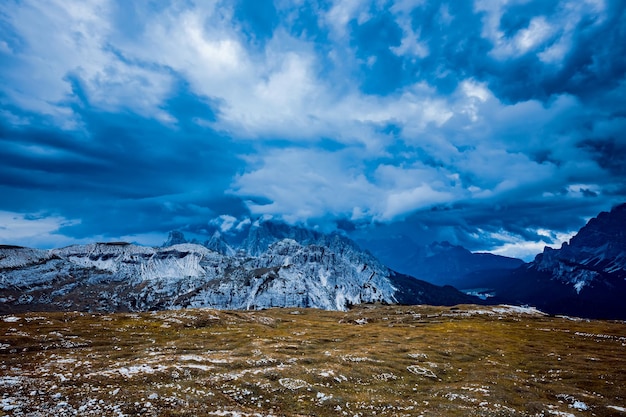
(495, 124)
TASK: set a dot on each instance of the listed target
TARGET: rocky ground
(371, 360)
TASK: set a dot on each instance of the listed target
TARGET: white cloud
(537, 32)
(555, 53)
(342, 12)
(243, 224)
(225, 222)
(73, 38)
(279, 92)
(285, 90)
(476, 94)
(303, 184)
(37, 230)
(403, 202)
(410, 44)
(518, 247)
(581, 190)
(471, 138)
(275, 92)
(550, 38)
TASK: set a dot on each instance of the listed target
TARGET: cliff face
(585, 277)
(331, 274)
(596, 255)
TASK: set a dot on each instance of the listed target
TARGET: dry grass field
(370, 361)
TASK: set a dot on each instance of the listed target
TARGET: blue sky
(495, 124)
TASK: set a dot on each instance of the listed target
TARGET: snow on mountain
(585, 277)
(596, 253)
(289, 274)
(17, 256)
(111, 257)
(332, 273)
(218, 244)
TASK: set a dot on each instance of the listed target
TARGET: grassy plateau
(370, 361)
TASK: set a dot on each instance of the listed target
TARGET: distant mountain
(218, 244)
(441, 263)
(597, 253)
(585, 277)
(262, 234)
(454, 265)
(175, 237)
(331, 273)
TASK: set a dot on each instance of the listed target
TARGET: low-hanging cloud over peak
(172, 114)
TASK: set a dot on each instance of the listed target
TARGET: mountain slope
(331, 274)
(262, 234)
(585, 277)
(440, 263)
(449, 264)
(596, 253)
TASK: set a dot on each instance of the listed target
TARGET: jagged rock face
(596, 253)
(218, 244)
(289, 274)
(331, 273)
(585, 277)
(17, 256)
(262, 234)
(124, 277)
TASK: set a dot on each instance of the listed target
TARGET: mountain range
(272, 264)
(440, 263)
(585, 277)
(269, 268)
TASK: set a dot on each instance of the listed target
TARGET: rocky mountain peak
(607, 227)
(218, 244)
(264, 233)
(296, 269)
(17, 256)
(175, 237)
(445, 248)
(591, 267)
(599, 246)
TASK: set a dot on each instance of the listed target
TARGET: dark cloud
(477, 122)
(479, 226)
(518, 16)
(456, 48)
(121, 173)
(609, 153)
(595, 62)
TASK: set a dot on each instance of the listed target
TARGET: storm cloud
(493, 124)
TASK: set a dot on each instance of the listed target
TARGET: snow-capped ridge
(18, 256)
(296, 269)
(218, 244)
(596, 252)
(585, 277)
